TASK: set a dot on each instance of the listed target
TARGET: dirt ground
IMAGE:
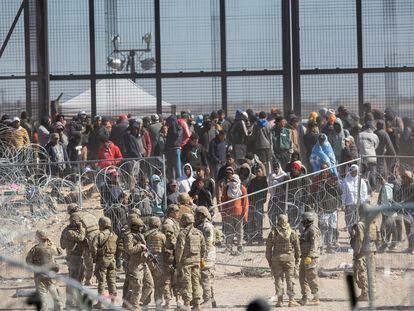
(238, 278)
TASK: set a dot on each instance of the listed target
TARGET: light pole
(117, 59)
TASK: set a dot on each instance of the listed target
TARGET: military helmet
(309, 216)
(135, 211)
(136, 221)
(42, 235)
(104, 223)
(167, 228)
(75, 218)
(202, 210)
(172, 208)
(187, 219)
(73, 207)
(154, 222)
(183, 198)
(282, 219)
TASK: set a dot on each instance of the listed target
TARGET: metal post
(42, 57)
(287, 66)
(158, 80)
(360, 56)
(132, 64)
(223, 55)
(164, 172)
(27, 59)
(92, 55)
(80, 184)
(296, 57)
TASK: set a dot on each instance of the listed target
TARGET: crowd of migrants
(171, 250)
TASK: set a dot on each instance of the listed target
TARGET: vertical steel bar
(158, 80)
(27, 58)
(223, 55)
(296, 57)
(287, 67)
(92, 55)
(360, 56)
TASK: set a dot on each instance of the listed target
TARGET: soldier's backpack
(108, 247)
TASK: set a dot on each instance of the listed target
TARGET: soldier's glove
(307, 261)
(202, 263)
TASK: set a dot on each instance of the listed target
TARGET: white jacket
(349, 188)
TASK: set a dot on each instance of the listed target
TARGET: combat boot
(279, 303)
(315, 300)
(293, 303)
(304, 300)
(206, 304)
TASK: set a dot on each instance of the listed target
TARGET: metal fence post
(80, 184)
(164, 172)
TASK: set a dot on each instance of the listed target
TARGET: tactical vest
(42, 255)
(280, 244)
(193, 243)
(305, 243)
(155, 241)
(107, 248)
(90, 224)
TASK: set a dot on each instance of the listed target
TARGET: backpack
(281, 139)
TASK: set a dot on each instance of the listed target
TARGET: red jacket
(239, 207)
(186, 131)
(146, 139)
(109, 151)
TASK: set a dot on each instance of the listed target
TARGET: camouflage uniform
(282, 254)
(91, 229)
(203, 223)
(72, 240)
(189, 252)
(42, 254)
(135, 248)
(156, 243)
(360, 253)
(308, 269)
(171, 219)
(104, 247)
(168, 264)
(185, 206)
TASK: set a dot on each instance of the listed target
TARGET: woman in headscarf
(234, 213)
(322, 152)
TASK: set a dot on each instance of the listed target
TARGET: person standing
(281, 141)
(72, 240)
(204, 224)
(135, 248)
(169, 279)
(234, 213)
(262, 140)
(42, 255)
(308, 268)
(104, 247)
(19, 136)
(173, 147)
(282, 255)
(360, 253)
(352, 196)
(190, 254)
(156, 245)
(367, 144)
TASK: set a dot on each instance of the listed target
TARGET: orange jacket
(239, 207)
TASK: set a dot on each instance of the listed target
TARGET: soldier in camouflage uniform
(283, 254)
(91, 230)
(172, 218)
(203, 223)
(185, 205)
(72, 240)
(104, 248)
(156, 243)
(360, 253)
(42, 254)
(136, 249)
(308, 269)
(168, 264)
(190, 253)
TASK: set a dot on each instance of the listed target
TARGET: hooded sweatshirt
(385, 145)
(237, 194)
(367, 145)
(261, 135)
(349, 187)
(246, 179)
(184, 182)
(174, 135)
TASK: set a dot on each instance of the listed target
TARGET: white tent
(114, 97)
